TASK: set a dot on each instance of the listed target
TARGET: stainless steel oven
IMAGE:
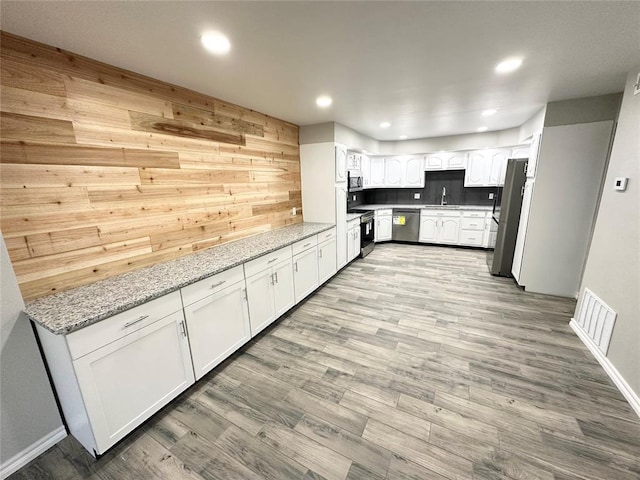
(367, 233)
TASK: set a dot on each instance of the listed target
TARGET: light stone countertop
(64, 312)
(378, 206)
(353, 216)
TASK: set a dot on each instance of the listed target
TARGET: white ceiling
(426, 67)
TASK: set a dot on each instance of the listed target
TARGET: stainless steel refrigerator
(505, 218)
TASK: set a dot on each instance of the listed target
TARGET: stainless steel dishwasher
(406, 224)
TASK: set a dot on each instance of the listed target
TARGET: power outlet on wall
(294, 211)
(416, 196)
(491, 196)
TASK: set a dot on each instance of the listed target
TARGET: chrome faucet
(443, 198)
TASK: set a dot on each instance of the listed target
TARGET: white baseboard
(19, 460)
(628, 393)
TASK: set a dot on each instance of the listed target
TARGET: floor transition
(413, 363)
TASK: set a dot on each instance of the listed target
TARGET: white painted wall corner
(626, 390)
(19, 460)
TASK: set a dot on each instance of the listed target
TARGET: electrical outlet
(294, 211)
(416, 196)
(354, 198)
(491, 196)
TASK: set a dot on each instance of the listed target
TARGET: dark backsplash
(452, 180)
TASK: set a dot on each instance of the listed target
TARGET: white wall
(613, 264)
(533, 125)
(28, 412)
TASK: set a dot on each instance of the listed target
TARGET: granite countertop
(353, 216)
(378, 206)
(79, 307)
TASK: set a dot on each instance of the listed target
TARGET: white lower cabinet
(270, 293)
(305, 272)
(384, 227)
(142, 363)
(218, 323)
(439, 226)
(473, 229)
(326, 256)
(353, 239)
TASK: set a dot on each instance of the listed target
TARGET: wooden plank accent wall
(104, 171)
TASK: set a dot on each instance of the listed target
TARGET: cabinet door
(260, 295)
(498, 167)
(455, 161)
(283, 290)
(366, 172)
(326, 260)
(434, 161)
(305, 273)
(449, 228)
(218, 325)
(476, 173)
(341, 164)
(384, 228)
(128, 380)
(341, 227)
(413, 172)
(534, 152)
(392, 172)
(428, 228)
(377, 171)
(516, 266)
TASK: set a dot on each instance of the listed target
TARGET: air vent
(596, 319)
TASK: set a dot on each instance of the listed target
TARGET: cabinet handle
(183, 328)
(133, 322)
(276, 276)
(272, 260)
(320, 253)
(244, 294)
(272, 279)
(306, 245)
(295, 266)
(216, 285)
(327, 235)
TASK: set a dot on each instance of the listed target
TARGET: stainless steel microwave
(354, 180)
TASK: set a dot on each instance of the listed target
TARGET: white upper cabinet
(341, 164)
(376, 172)
(486, 168)
(446, 161)
(534, 152)
(365, 165)
(393, 172)
(354, 161)
(413, 172)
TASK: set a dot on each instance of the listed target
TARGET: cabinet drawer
(88, 339)
(303, 245)
(324, 236)
(384, 211)
(266, 261)
(471, 237)
(431, 212)
(472, 223)
(211, 285)
(474, 214)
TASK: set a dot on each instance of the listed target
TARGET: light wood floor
(413, 363)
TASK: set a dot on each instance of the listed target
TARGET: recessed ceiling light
(509, 65)
(385, 125)
(489, 112)
(216, 43)
(483, 129)
(323, 101)
(403, 137)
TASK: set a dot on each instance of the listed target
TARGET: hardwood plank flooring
(413, 363)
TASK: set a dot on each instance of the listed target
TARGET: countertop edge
(65, 330)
